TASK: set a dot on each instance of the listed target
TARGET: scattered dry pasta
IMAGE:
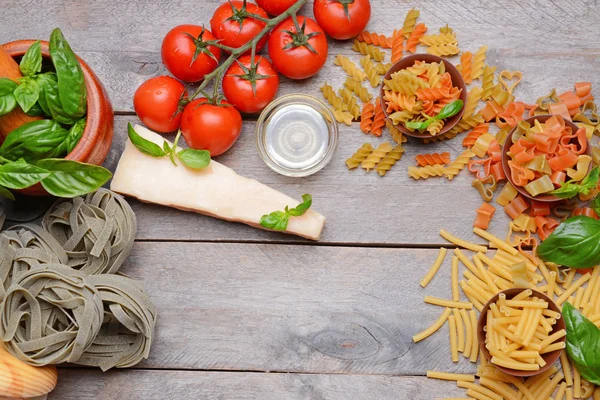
(458, 164)
(351, 69)
(375, 157)
(378, 119)
(397, 135)
(368, 50)
(373, 75)
(466, 66)
(358, 89)
(332, 98)
(437, 40)
(366, 117)
(359, 156)
(444, 50)
(410, 21)
(511, 79)
(487, 82)
(375, 39)
(389, 160)
(350, 102)
(479, 62)
(415, 36)
(397, 46)
(432, 158)
(343, 117)
(426, 172)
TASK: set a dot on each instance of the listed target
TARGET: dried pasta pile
(485, 274)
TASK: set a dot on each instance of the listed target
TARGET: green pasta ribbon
(60, 301)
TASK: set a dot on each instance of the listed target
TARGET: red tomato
(275, 7)
(178, 50)
(156, 102)
(298, 53)
(237, 84)
(210, 127)
(233, 28)
(342, 19)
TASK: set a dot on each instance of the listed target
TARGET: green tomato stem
(218, 73)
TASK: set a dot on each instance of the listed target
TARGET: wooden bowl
(549, 358)
(547, 198)
(457, 81)
(97, 136)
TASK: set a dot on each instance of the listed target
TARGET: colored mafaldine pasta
(216, 190)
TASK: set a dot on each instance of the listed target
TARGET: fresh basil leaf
(450, 110)
(27, 93)
(418, 125)
(4, 192)
(72, 178)
(196, 159)
(166, 147)
(31, 63)
(590, 182)
(583, 343)
(574, 243)
(33, 140)
(71, 82)
(20, 174)
(44, 80)
(51, 102)
(144, 145)
(596, 205)
(277, 220)
(70, 141)
(35, 110)
(567, 190)
(7, 97)
(301, 208)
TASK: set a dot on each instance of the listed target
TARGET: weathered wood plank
(360, 207)
(266, 307)
(85, 384)
(122, 41)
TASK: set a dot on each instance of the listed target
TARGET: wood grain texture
(360, 207)
(85, 384)
(269, 307)
(121, 41)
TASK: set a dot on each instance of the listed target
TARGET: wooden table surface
(244, 313)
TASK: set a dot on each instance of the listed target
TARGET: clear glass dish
(296, 135)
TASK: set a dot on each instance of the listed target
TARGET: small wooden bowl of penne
(417, 89)
(521, 332)
(542, 153)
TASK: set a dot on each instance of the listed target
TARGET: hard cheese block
(215, 190)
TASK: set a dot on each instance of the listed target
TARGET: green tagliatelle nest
(60, 299)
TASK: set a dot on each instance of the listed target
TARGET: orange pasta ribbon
(539, 209)
(480, 168)
(583, 90)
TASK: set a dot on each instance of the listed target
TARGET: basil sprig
(31, 63)
(571, 188)
(583, 343)
(596, 205)
(8, 102)
(448, 111)
(574, 243)
(195, 159)
(278, 220)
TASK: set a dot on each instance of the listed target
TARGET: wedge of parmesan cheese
(215, 190)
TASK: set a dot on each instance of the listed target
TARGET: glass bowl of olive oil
(296, 135)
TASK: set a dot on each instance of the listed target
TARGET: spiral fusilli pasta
(435, 127)
(426, 172)
(373, 75)
(350, 102)
(466, 66)
(333, 99)
(375, 39)
(389, 160)
(446, 29)
(487, 82)
(368, 50)
(359, 156)
(432, 158)
(466, 123)
(373, 159)
(444, 50)
(415, 36)
(436, 40)
(366, 117)
(397, 135)
(405, 82)
(399, 101)
(382, 68)
(479, 62)
(358, 89)
(397, 46)
(473, 98)
(458, 164)
(472, 136)
(342, 116)
(351, 69)
(378, 119)
(410, 21)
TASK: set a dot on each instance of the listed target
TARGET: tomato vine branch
(219, 72)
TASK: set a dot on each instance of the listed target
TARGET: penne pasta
(434, 327)
(453, 338)
(447, 376)
(447, 303)
(454, 274)
(462, 243)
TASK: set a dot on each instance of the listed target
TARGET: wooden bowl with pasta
(556, 337)
(451, 80)
(506, 155)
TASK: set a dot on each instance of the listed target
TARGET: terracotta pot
(544, 198)
(97, 136)
(457, 81)
(549, 358)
